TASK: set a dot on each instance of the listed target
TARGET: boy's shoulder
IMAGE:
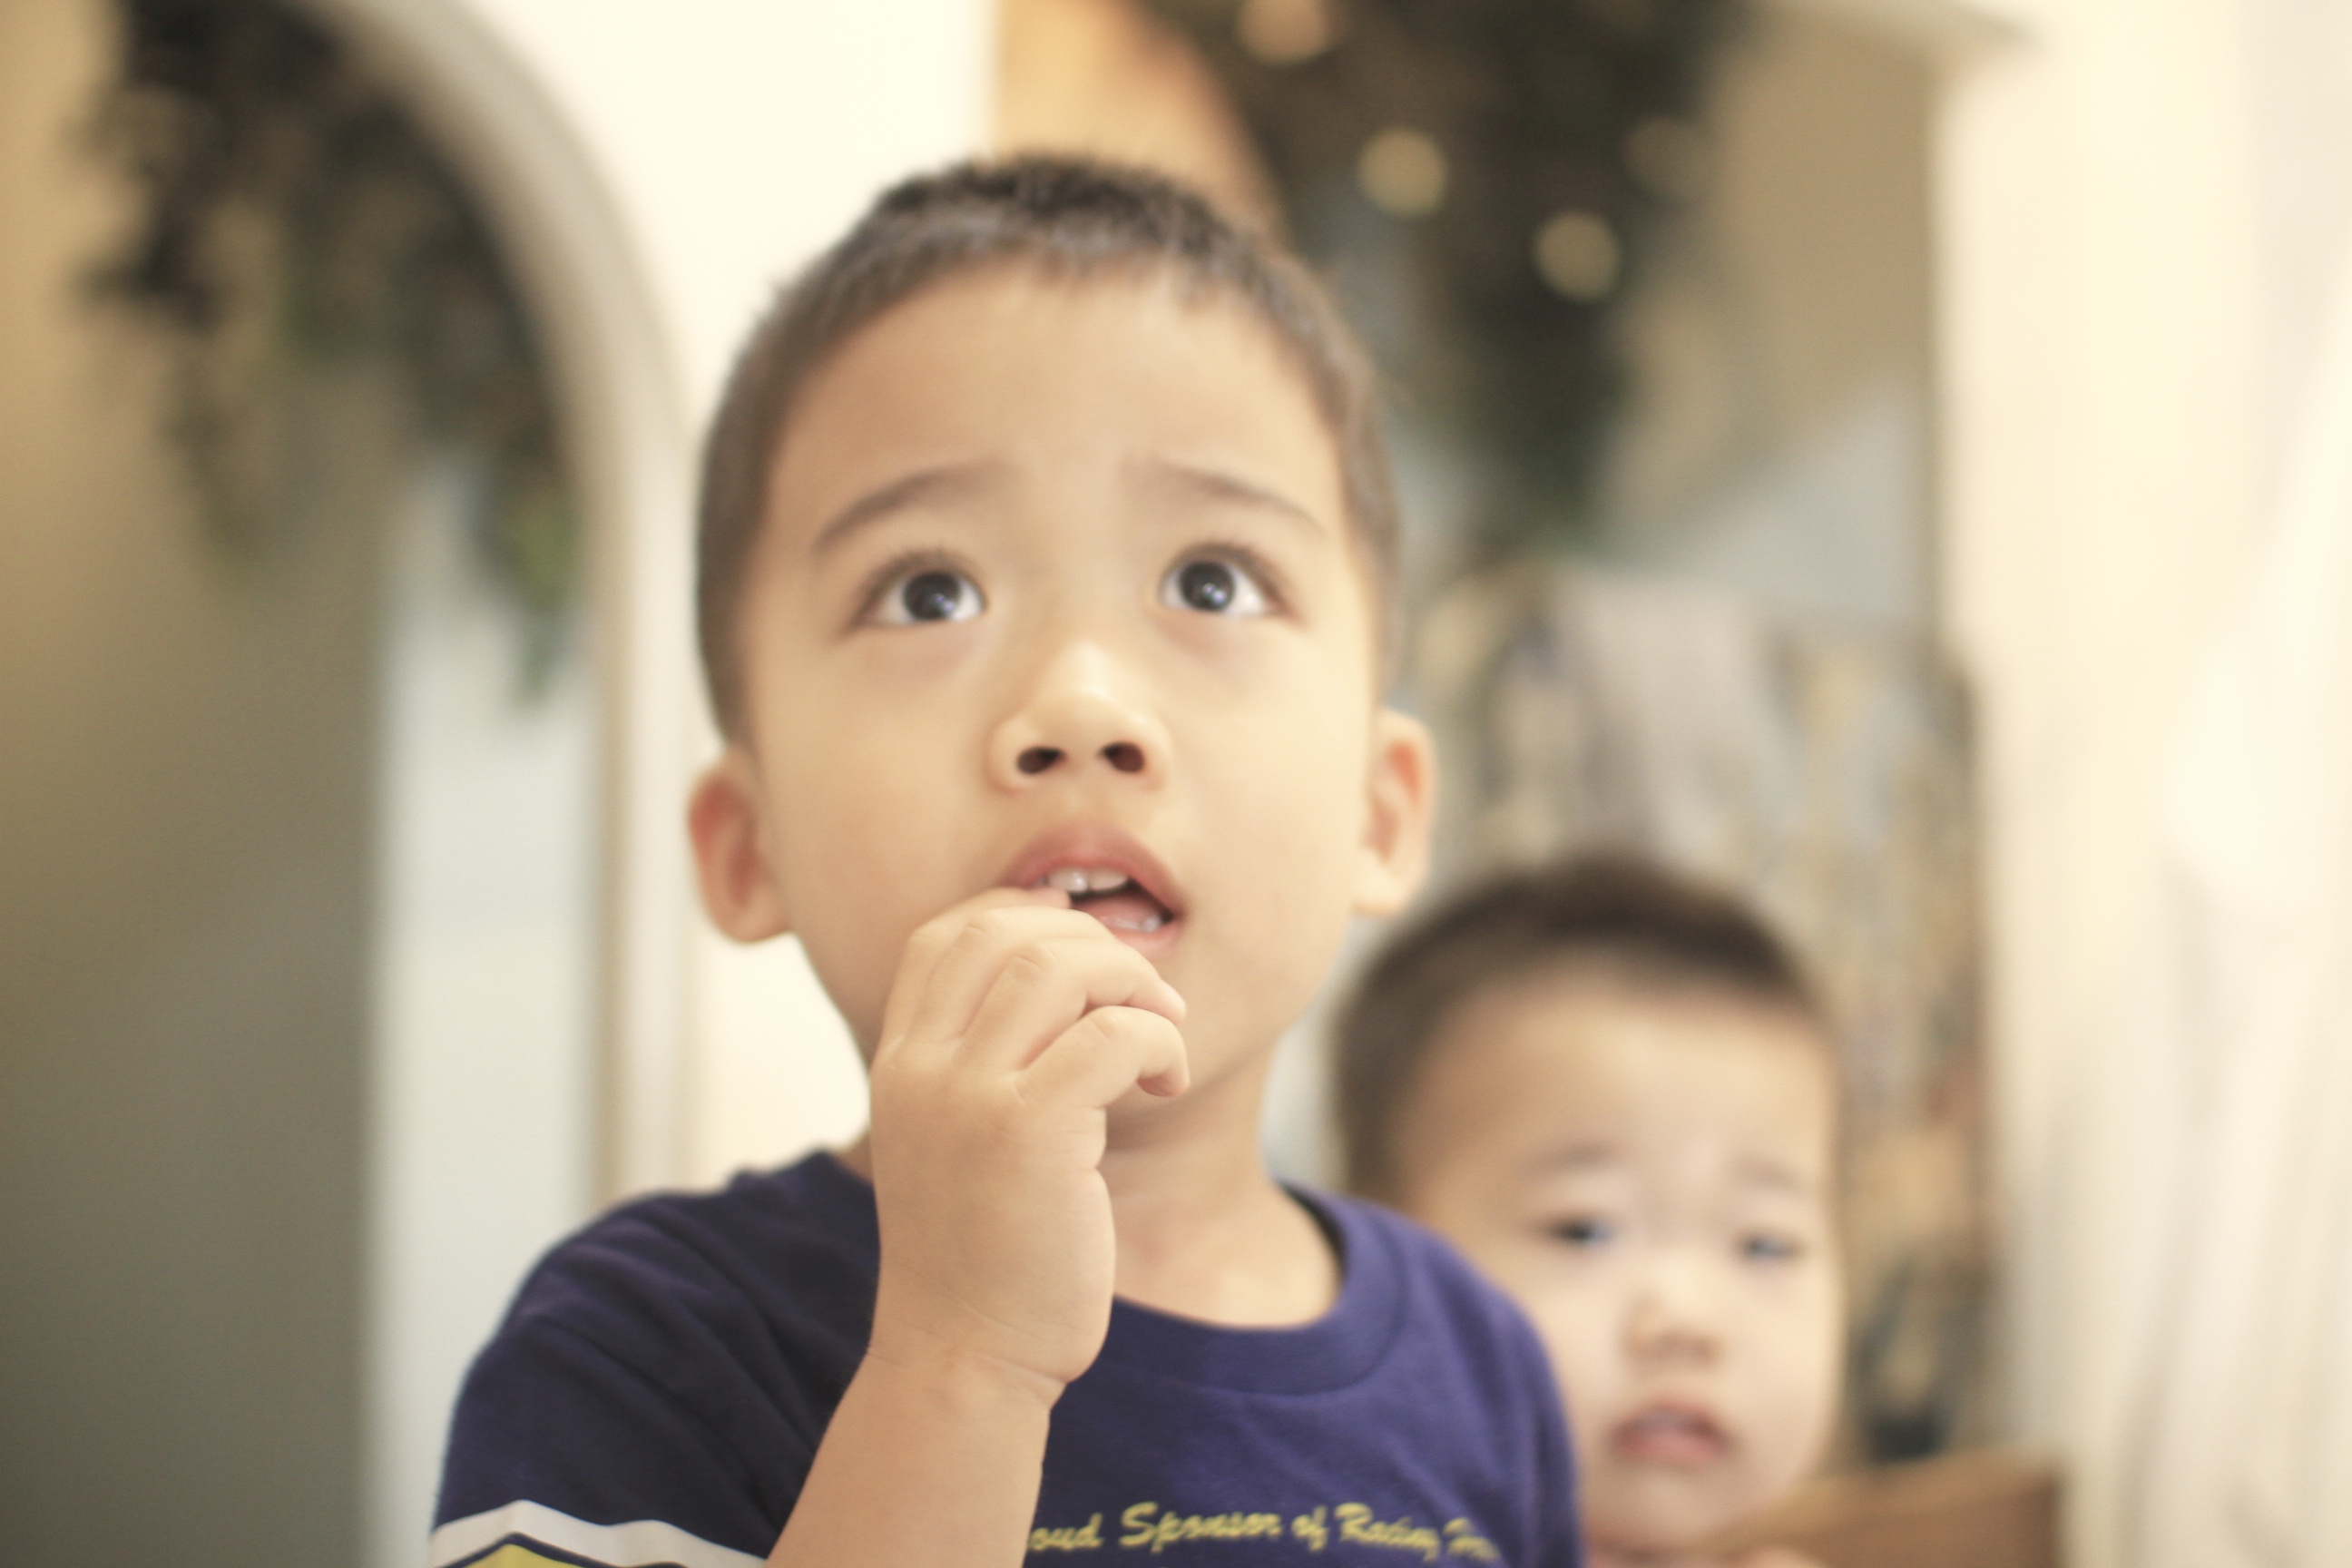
(716, 1330)
(1439, 1286)
(816, 1203)
(803, 1233)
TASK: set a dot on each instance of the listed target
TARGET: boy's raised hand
(1014, 1023)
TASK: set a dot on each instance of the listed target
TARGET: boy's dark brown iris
(931, 596)
(1206, 585)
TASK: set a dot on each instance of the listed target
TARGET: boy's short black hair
(1621, 919)
(1069, 220)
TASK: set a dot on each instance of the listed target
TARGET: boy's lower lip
(1135, 918)
(1126, 908)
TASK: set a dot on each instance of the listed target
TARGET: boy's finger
(979, 939)
(1104, 1055)
(1048, 984)
(915, 966)
(933, 939)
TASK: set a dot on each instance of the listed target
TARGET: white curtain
(2243, 1439)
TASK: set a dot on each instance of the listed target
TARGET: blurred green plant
(290, 217)
(1516, 162)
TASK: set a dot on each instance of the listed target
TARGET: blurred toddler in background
(1614, 1090)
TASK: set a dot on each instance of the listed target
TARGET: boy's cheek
(1581, 1332)
(857, 989)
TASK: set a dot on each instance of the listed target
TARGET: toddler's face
(1057, 587)
(1650, 1178)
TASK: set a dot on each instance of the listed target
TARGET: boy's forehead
(1587, 1039)
(1574, 1000)
(952, 388)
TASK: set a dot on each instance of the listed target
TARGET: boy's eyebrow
(1577, 1156)
(1214, 484)
(924, 485)
(1757, 1172)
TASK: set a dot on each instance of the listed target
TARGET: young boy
(1046, 535)
(1613, 1089)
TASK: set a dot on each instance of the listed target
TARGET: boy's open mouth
(1108, 873)
(1110, 895)
(1672, 1434)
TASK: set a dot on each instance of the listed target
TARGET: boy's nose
(1670, 1320)
(1079, 716)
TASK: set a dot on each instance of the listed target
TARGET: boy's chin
(1655, 1530)
(1140, 1117)
(1223, 1083)
(1599, 1552)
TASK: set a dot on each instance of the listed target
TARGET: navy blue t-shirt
(657, 1392)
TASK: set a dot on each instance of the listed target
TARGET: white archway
(650, 171)
(441, 1240)
(617, 364)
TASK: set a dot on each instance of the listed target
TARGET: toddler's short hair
(1069, 220)
(1618, 919)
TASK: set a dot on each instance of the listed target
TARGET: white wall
(2138, 201)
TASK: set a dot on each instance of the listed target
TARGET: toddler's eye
(1585, 1230)
(1214, 587)
(1769, 1246)
(928, 593)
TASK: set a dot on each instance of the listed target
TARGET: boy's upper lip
(1095, 845)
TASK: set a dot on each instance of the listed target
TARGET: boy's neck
(1204, 1230)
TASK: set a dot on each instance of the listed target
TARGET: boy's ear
(730, 850)
(1402, 790)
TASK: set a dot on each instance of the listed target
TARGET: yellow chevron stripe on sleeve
(515, 1554)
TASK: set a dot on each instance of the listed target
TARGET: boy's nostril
(1124, 755)
(1038, 759)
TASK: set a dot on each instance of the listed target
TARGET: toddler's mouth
(1673, 1433)
(1110, 895)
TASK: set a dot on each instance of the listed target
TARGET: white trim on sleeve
(644, 1543)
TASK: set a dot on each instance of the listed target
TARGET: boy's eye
(1584, 1230)
(928, 593)
(1212, 586)
(1769, 1246)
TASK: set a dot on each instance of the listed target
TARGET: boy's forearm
(928, 1459)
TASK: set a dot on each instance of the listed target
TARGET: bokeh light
(1403, 170)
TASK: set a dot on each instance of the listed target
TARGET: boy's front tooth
(1076, 879)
